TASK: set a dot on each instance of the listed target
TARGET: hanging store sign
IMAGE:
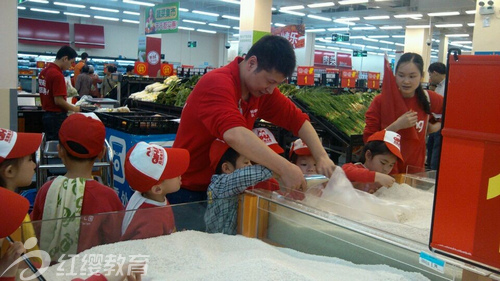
(305, 75)
(295, 34)
(162, 18)
(141, 68)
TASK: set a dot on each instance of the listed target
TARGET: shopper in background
(76, 194)
(94, 90)
(84, 82)
(52, 88)
(233, 174)
(378, 157)
(153, 172)
(437, 76)
(107, 82)
(404, 107)
(130, 70)
(225, 104)
(79, 66)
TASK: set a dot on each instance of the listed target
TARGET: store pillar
(443, 48)
(415, 42)
(255, 22)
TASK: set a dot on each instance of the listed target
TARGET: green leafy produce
(288, 90)
(182, 96)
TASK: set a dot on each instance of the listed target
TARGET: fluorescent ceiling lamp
(232, 2)
(399, 44)
(296, 7)
(231, 17)
(345, 49)
(443, 14)
(205, 13)
(237, 28)
(21, 8)
(372, 53)
(456, 44)
(378, 36)
(39, 1)
(349, 23)
(386, 42)
(183, 10)
(273, 9)
(104, 9)
(236, 35)
(347, 19)
(185, 28)
(194, 21)
(418, 26)
(434, 50)
(471, 24)
(397, 36)
(44, 11)
(377, 18)
(456, 35)
(463, 42)
(386, 49)
(371, 47)
(339, 29)
(333, 48)
(131, 13)
(470, 12)
(343, 43)
(106, 18)
(316, 30)
(319, 46)
(370, 39)
(380, 54)
(449, 25)
(292, 13)
(279, 24)
(387, 27)
(350, 2)
(319, 18)
(436, 40)
(411, 16)
(206, 31)
(434, 57)
(77, 15)
(131, 21)
(356, 37)
(358, 45)
(364, 28)
(69, 5)
(138, 3)
(467, 47)
(219, 25)
(321, 5)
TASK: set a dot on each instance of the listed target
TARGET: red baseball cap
(217, 149)
(149, 164)
(86, 130)
(15, 145)
(268, 138)
(15, 208)
(300, 148)
(392, 141)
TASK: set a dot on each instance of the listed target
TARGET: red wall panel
(41, 32)
(89, 36)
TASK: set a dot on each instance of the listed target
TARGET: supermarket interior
(250, 140)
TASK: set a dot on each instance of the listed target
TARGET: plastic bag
(341, 198)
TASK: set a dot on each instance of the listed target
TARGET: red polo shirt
(51, 83)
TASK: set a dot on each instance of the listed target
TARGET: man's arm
(247, 143)
(61, 102)
(324, 165)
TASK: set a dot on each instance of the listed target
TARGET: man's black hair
(273, 53)
(66, 51)
(84, 56)
(438, 67)
(130, 68)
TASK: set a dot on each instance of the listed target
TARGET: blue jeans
(189, 216)
(433, 149)
(52, 122)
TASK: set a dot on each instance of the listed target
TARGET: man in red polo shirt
(225, 104)
(52, 89)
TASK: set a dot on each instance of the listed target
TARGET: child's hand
(13, 253)
(127, 272)
(384, 180)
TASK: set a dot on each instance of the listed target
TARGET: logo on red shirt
(156, 155)
(6, 135)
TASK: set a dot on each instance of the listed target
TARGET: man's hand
(325, 166)
(291, 178)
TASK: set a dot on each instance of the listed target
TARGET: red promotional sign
(167, 69)
(466, 222)
(305, 75)
(344, 60)
(153, 58)
(348, 78)
(373, 80)
(295, 34)
(141, 68)
(40, 64)
(325, 58)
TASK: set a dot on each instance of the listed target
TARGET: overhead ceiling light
(339, 29)
(21, 8)
(456, 35)
(418, 26)
(106, 18)
(232, 2)
(391, 27)
(444, 14)
(194, 21)
(378, 36)
(377, 18)
(44, 11)
(350, 2)
(131, 21)
(183, 10)
(319, 18)
(463, 42)
(104, 9)
(333, 48)
(77, 15)
(399, 44)
(237, 28)
(343, 43)
(131, 13)
(370, 39)
(344, 49)
(471, 24)
(279, 24)
(467, 47)
(411, 16)
(205, 13)
(356, 37)
(316, 30)
(296, 7)
(347, 19)
(449, 25)
(273, 9)
(231, 17)
(321, 5)
(292, 13)
(372, 53)
(358, 45)
(206, 31)
(386, 42)
(386, 49)
(364, 28)
(456, 44)
(470, 12)
(138, 3)
(219, 25)
(398, 36)
(69, 5)
(185, 28)
(39, 1)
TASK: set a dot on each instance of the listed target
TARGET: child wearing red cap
(153, 172)
(378, 158)
(233, 174)
(81, 141)
(268, 138)
(301, 156)
(16, 170)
